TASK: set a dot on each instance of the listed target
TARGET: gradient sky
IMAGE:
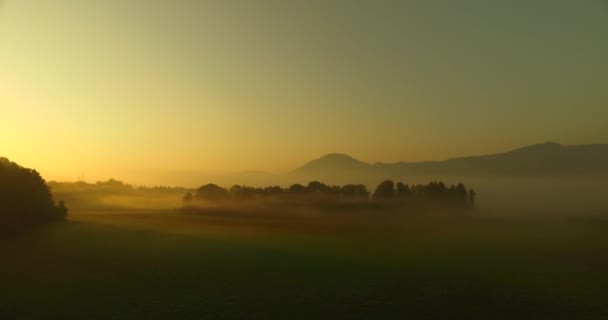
(134, 88)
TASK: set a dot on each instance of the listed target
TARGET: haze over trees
(399, 193)
(114, 195)
(25, 199)
(537, 179)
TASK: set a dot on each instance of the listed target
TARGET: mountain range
(541, 160)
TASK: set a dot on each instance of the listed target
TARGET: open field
(167, 265)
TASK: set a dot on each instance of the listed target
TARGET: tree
(317, 187)
(273, 191)
(472, 195)
(354, 190)
(461, 193)
(62, 210)
(457, 194)
(402, 190)
(435, 190)
(418, 190)
(238, 192)
(385, 190)
(297, 189)
(187, 199)
(211, 192)
(25, 198)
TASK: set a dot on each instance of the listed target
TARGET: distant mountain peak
(543, 159)
(331, 162)
(338, 157)
(540, 147)
(548, 144)
(552, 143)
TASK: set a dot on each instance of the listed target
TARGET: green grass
(174, 266)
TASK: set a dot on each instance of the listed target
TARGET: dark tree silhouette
(317, 187)
(385, 190)
(297, 189)
(472, 195)
(62, 210)
(435, 190)
(402, 190)
(25, 198)
(461, 193)
(418, 190)
(211, 192)
(272, 191)
(187, 197)
(238, 192)
(457, 194)
(316, 193)
(354, 190)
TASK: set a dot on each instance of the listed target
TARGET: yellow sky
(132, 88)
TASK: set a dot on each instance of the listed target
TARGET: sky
(137, 89)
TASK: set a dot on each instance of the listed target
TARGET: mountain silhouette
(335, 167)
(541, 160)
(331, 162)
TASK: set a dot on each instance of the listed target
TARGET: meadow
(141, 264)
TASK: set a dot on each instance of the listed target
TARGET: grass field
(167, 265)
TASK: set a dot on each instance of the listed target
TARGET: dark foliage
(397, 194)
(355, 191)
(385, 190)
(187, 197)
(318, 187)
(297, 189)
(25, 198)
(402, 190)
(211, 192)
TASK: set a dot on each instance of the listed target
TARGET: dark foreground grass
(173, 266)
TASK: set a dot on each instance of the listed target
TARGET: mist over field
(531, 247)
(541, 180)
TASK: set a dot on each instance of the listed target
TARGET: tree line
(435, 191)
(112, 186)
